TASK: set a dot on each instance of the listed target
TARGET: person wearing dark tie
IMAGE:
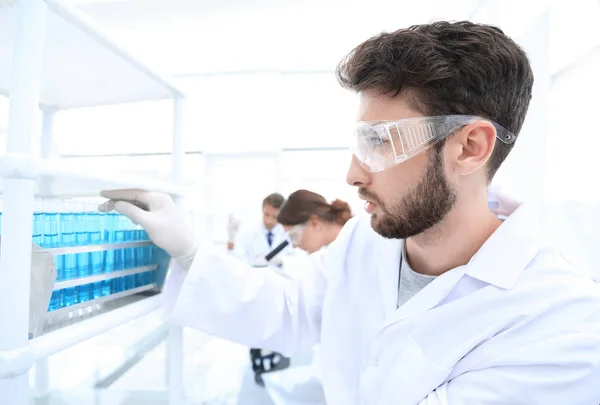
(255, 239)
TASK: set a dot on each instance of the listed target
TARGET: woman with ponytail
(312, 222)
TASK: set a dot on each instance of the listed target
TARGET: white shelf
(96, 248)
(65, 310)
(59, 178)
(104, 276)
(55, 57)
(82, 66)
(18, 361)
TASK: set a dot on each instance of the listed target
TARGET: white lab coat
(251, 241)
(516, 325)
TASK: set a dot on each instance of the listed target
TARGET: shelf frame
(103, 277)
(102, 300)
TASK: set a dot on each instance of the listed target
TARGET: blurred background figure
(233, 225)
(255, 239)
(311, 222)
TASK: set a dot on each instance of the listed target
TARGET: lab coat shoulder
(537, 342)
(334, 257)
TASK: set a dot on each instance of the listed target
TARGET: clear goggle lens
(381, 144)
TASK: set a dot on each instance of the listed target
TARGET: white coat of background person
(312, 224)
(255, 239)
(501, 319)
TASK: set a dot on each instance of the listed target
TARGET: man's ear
(472, 146)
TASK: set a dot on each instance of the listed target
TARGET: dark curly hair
(447, 68)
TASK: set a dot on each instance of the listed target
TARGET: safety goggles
(380, 144)
(295, 233)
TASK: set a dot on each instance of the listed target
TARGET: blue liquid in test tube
(130, 282)
(70, 296)
(130, 236)
(120, 236)
(38, 226)
(84, 292)
(97, 290)
(118, 285)
(106, 288)
(94, 225)
(82, 238)
(55, 300)
(59, 262)
(148, 253)
(70, 266)
(50, 227)
(148, 277)
(67, 229)
(139, 279)
(110, 256)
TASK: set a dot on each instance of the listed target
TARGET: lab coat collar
(507, 251)
(499, 262)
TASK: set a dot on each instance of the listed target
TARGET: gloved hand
(159, 217)
(259, 261)
(277, 260)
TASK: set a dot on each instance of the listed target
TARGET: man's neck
(453, 242)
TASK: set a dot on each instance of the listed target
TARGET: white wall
(281, 118)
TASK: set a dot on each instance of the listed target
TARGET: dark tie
(270, 238)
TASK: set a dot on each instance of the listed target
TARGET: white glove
(259, 261)
(232, 227)
(159, 217)
(277, 260)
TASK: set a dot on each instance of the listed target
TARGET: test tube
(130, 236)
(70, 266)
(50, 223)
(106, 288)
(119, 226)
(110, 256)
(82, 238)
(84, 292)
(94, 227)
(56, 300)
(38, 223)
(59, 265)
(67, 225)
(70, 296)
(118, 285)
(97, 290)
(130, 282)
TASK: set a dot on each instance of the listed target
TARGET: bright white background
(264, 112)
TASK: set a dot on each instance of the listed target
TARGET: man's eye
(377, 141)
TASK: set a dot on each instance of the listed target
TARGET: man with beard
(432, 299)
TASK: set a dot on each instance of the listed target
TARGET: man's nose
(357, 176)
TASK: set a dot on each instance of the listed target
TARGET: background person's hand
(160, 218)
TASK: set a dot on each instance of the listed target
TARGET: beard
(423, 207)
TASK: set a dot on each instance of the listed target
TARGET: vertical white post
(175, 341)
(42, 379)
(48, 133)
(178, 150)
(15, 249)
